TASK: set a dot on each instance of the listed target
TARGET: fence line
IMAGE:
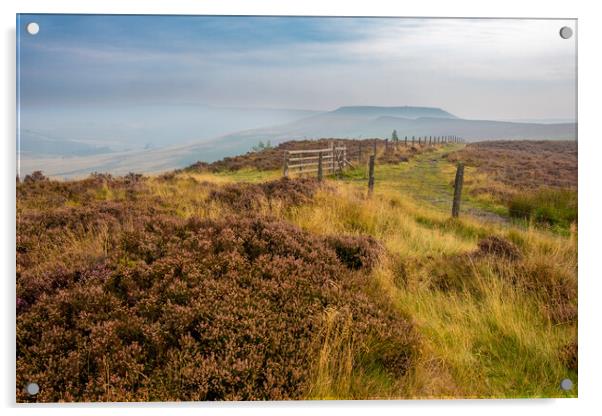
(333, 159)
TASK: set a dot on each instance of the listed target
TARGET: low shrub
(355, 252)
(499, 247)
(569, 356)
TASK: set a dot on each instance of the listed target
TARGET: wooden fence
(331, 160)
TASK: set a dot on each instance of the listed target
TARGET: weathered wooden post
(430, 140)
(412, 140)
(285, 164)
(359, 155)
(320, 173)
(332, 158)
(405, 141)
(386, 145)
(371, 175)
(458, 190)
(374, 147)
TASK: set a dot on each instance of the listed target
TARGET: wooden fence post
(374, 147)
(405, 141)
(458, 190)
(412, 140)
(332, 158)
(359, 155)
(430, 140)
(371, 175)
(386, 145)
(320, 173)
(285, 164)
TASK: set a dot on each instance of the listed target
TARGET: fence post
(412, 140)
(359, 155)
(285, 164)
(371, 175)
(320, 173)
(430, 140)
(386, 145)
(332, 158)
(458, 190)
(405, 141)
(374, 147)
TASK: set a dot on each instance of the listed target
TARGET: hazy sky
(493, 69)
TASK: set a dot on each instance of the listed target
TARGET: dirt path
(429, 178)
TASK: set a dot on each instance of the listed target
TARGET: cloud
(475, 67)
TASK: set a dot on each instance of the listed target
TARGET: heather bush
(355, 252)
(524, 163)
(195, 310)
(36, 176)
(246, 196)
(498, 246)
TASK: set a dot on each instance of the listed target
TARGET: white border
(590, 157)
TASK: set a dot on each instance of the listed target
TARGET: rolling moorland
(224, 281)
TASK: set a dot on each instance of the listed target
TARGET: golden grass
(496, 344)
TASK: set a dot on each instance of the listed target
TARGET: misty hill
(344, 122)
(405, 112)
(363, 122)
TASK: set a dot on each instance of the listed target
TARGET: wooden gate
(331, 160)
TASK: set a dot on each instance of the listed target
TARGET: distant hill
(362, 122)
(344, 122)
(405, 112)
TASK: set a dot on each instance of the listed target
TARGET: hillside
(344, 122)
(227, 282)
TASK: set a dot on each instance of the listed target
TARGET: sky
(477, 69)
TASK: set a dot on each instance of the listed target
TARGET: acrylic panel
(295, 208)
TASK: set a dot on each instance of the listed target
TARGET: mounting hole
(566, 384)
(566, 32)
(32, 389)
(33, 28)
